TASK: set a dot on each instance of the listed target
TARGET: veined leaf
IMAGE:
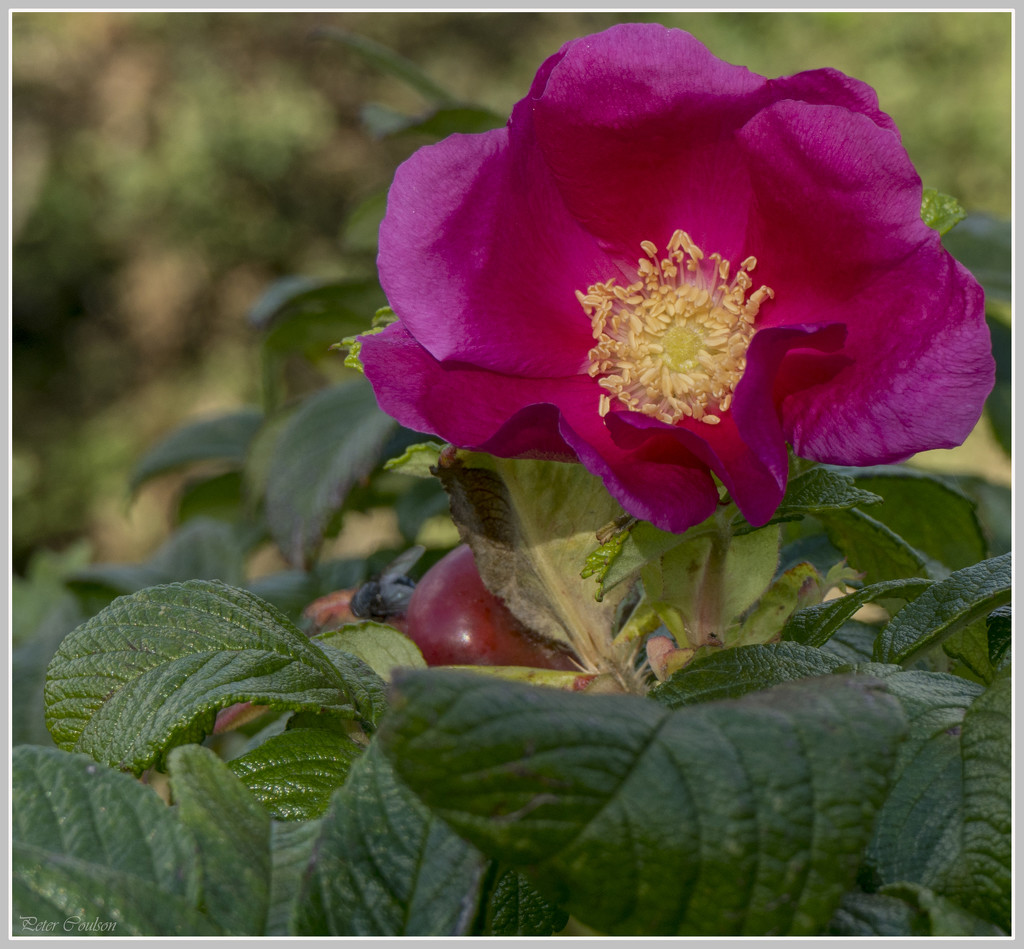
(92, 843)
(875, 549)
(906, 909)
(515, 908)
(814, 625)
(967, 595)
(730, 673)
(294, 774)
(984, 881)
(384, 865)
(232, 835)
(817, 490)
(736, 817)
(929, 512)
(291, 848)
(151, 671)
(917, 837)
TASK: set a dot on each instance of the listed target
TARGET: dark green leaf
(515, 908)
(232, 835)
(852, 642)
(34, 595)
(874, 549)
(930, 513)
(28, 671)
(225, 438)
(983, 244)
(969, 650)
(294, 774)
(917, 835)
(219, 497)
(814, 625)
(92, 843)
(999, 405)
(362, 225)
(201, 549)
(944, 608)
(151, 671)
(1000, 629)
(291, 848)
(736, 817)
(906, 909)
(439, 123)
(333, 439)
(940, 211)
(819, 490)
(385, 866)
(984, 881)
(730, 673)
(995, 511)
(309, 316)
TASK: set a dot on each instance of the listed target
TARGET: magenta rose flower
(666, 266)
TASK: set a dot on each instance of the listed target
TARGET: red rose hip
(456, 620)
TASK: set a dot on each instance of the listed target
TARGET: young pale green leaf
(89, 843)
(294, 774)
(710, 580)
(385, 866)
(380, 646)
(417, 460)
(814, 625)
(333, 439)
(778, 603)
(515, 908)
(940, 211)
(629, 549)
(984, 881)
(906, 909)
(929, 512)
(531, 525)
(918, 831)
(232, 836)
(151, 671)
(732, 818)
(874, 549)
(291, 849)
(224, 439)
(730, 673)
(944, 608)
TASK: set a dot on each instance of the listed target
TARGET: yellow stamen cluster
(673, 344)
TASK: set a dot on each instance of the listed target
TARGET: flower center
(673, 344)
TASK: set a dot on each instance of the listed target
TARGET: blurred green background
(168, 166)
